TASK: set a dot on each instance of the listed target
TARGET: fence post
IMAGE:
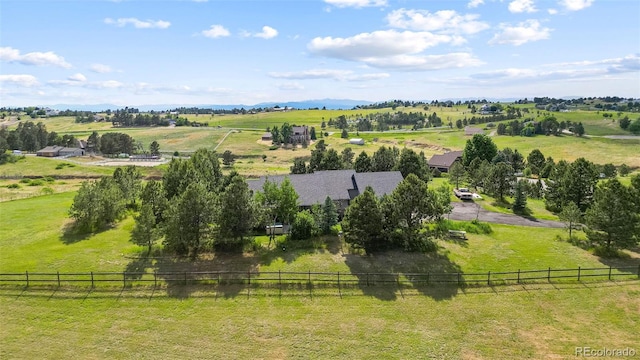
(58, 278)
(459, 278)
(638, 271)
(489, 278)
(27, 275)
(609, 272)
(218, 278)
(549, 274)
(124, 279)
(518, 276)
(398, 279)
(578, 273)
(92, 279)
(155, 279)
(368, 277)
(249, 273)
(338, 279)
(185, 278)
(428, 276)
(279, 278)
(309, 277)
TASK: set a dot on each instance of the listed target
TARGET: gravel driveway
(469, 210)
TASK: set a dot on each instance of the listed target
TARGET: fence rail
(328, 278)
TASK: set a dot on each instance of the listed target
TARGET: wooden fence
(315, 278)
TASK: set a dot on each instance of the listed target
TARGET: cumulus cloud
(575, 5)
(524, 32)
(100, 68)
(356, 3)
(19, 80)
(520, 6)
(444, 21)
(552, 11)
(340, 75)
(267, 33)
(138, 24)
(377, 44)
(216, 31)
(475, 3)
(392, 49)
(12, 55)
(77, 77)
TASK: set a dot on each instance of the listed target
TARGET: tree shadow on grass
(225, 272)
(71, 234)
(383, 275)
(290, 250)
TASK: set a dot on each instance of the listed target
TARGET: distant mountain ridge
(331, 104)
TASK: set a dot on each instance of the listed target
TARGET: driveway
(469, 210)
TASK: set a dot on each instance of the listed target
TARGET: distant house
(470, 131)
(267, 137)
(55, 151)
(443, 162)
(341, 186)
(356, 141)
(69, 152)
(50, 151)
(300, 134)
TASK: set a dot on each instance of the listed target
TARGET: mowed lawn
(517, 322)
(530, 321)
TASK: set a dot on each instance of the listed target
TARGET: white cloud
(77, 77)
(100, 68)
(216, 31)
(520, 6)
(9, 54)
(356, 3)
(267, 33)
(138, 24)
(20, 80)
(425, 62)
(340, 75)
(522, 33)
(377, 44)
(575, 5)
(552, 11)
(475, 3)
(445, 21)
(75, 81)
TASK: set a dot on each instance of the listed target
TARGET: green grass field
(530, 321)
(524, 322)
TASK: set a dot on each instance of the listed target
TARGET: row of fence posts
(397, 277)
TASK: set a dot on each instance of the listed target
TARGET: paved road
(469, 211)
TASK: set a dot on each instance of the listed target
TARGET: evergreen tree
(520, 198)
(236, 214)
(362, 163)
(144, 232)
(456, 173)
(154, 148)
(299, 166)
(571, 215)
(329, 216)
(613, 219)
(363, 223)
(189, 220)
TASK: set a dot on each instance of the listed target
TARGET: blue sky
(245, 52)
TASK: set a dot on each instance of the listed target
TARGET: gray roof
(470, 130)
(445, 160)
(54, 148)
(336, 184)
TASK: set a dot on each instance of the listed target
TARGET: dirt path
(469, 210)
